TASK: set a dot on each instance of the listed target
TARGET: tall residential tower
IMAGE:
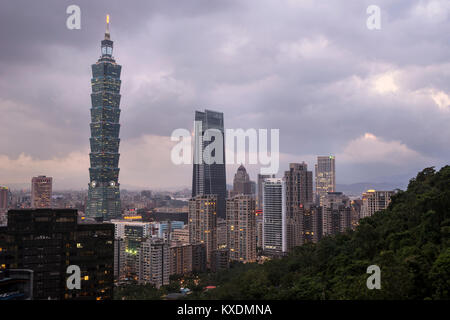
(299, 194)
(274, 215)
(104, 194)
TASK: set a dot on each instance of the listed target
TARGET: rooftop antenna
(107, 34)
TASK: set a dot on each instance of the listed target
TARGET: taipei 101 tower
(104, 193)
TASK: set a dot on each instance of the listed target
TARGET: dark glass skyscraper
(104, 194)
(209, 179)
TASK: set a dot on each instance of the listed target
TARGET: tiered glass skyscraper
(104, 194)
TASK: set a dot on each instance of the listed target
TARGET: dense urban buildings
(48, 241)
(336, 213)
(203, 223)
(209, 176)
(41, 192)
(373, 201)
(241, 228)
(144, 251)
(299, 193)
(325, 175)
(103, 193)
(274, 215)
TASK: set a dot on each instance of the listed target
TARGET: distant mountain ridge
(356, 189)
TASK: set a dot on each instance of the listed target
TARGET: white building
(119, 226)
(274, 216)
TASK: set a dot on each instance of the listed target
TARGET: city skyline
(234, 151)
(371, 83)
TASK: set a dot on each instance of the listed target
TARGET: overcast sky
(377, 99)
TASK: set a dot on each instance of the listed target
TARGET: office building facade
(209, 177)
(325, 176)
(48, 241)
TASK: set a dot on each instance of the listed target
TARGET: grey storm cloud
(309, 68)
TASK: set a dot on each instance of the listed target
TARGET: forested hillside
(409, 242)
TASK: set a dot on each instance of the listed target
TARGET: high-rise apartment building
(220, 260)
(41, 192)
(336, 213)
(259, 228)
(103, 191)
(299, 193)
(119, 259)
(186, 258)
(325, 175)
(373, 201)
(221, 233)
(312, 223)
(203, 223)
(241, 228)
(261, 178)
(48, 241)
(209, 176)
(274, 217)
(154, 264)
(181, 235)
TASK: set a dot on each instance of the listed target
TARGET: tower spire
(107, 34)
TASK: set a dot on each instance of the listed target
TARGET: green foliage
(409, 241)
(137, 292)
